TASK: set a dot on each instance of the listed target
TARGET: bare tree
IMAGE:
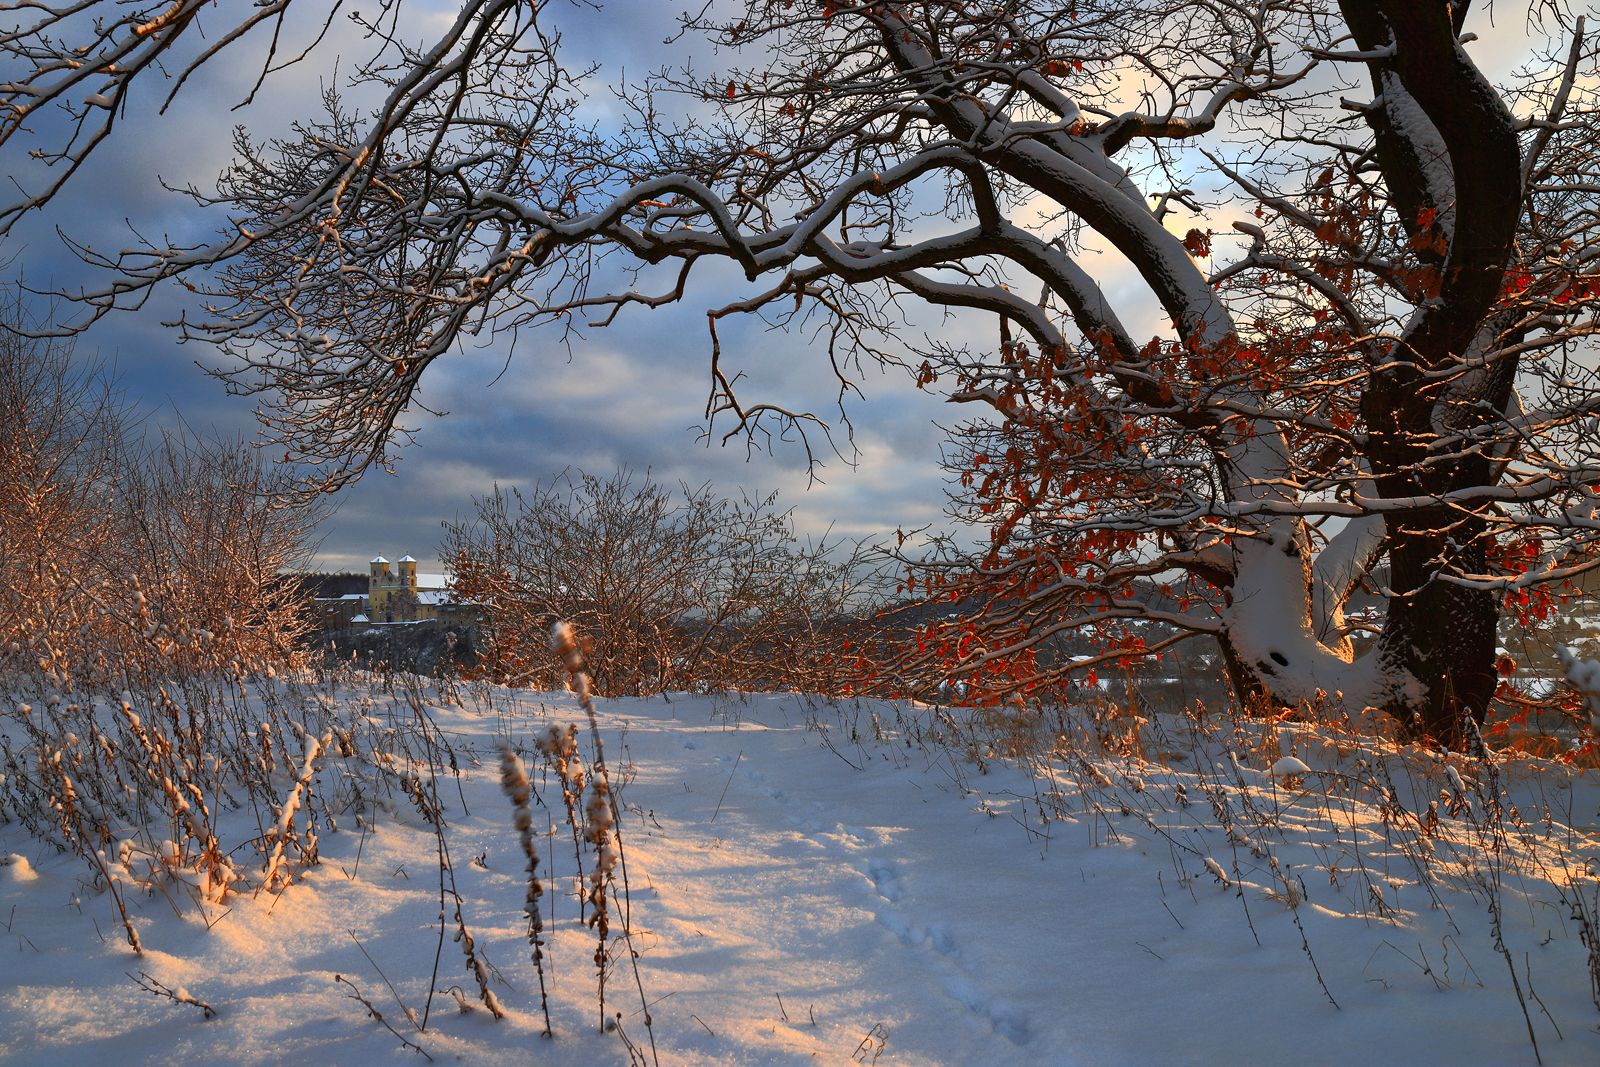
(676, 589)
(1377, 367)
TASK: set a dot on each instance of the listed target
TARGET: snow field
(845, 883)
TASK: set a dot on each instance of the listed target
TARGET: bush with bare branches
(680, 589)
(122, 562)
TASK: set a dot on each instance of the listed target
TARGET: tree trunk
(1440, 634)
(1248, 691)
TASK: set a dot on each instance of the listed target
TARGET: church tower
(408, 575)
(380, 584)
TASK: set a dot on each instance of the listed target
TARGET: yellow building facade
(402, 594)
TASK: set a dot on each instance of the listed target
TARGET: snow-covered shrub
(146, 788)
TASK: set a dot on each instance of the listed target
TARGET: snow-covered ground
(814, 883)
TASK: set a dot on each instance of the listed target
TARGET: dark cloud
(633, 396)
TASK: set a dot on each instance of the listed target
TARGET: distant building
(342, 612)
(401, 595)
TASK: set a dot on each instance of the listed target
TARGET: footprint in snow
(940, 941)
(1004, 1017)
(810, 824)
(1010, 1022)
(898, 925)
(853, 836)
(911, 935)
(885, 879)
(772, 792)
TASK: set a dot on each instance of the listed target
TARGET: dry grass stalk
(514, 780)
(604, 831)
(560, 750)
(373, 1013)
(475, 964)
(280, 834)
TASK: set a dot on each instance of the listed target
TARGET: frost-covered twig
(156, 987)
(1584, 676)
(291, 804)
(72, 825)
(475, 966)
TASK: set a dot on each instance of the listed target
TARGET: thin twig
(407, 1012)
(355, 994)
(726, 784)
(156, 987)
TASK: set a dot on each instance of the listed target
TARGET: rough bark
(1439, 633)
(1439, 636)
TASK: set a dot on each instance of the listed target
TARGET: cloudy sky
(631, 395)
